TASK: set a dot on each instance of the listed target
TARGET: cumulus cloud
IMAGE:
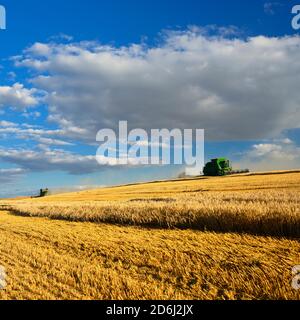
(34, 133)
(31, 115)
(43, 158)
(55, 142)
(18, 97)
(7, 124)
(11, 175)
(50, 160)
(17, 129)
(269, 150)
(236, 89)
(277, 154)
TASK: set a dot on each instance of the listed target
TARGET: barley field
(232, 237)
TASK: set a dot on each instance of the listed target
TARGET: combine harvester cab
(220, 167)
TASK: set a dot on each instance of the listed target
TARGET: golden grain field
(218, 238)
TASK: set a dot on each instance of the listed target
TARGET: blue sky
(71, 68)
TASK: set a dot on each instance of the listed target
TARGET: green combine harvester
(220, 167)
(44, 193)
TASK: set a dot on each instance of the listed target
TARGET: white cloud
(274, 155)
(43, 158)
(17, 96)
(50, 160)
(268, 150)
(12, 171)
(33, 133)
(237, 89)
(11, 175)
(7, 124)
(31, 115)
(55, 142)
(234, 88)
(30, 131)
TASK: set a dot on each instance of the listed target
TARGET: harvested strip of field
(271, 213)
(47, 259)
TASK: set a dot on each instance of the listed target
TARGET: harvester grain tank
(220, 167)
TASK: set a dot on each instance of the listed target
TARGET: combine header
(220, 167)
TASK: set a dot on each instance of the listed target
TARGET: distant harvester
(221, 167)
(44, 192)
